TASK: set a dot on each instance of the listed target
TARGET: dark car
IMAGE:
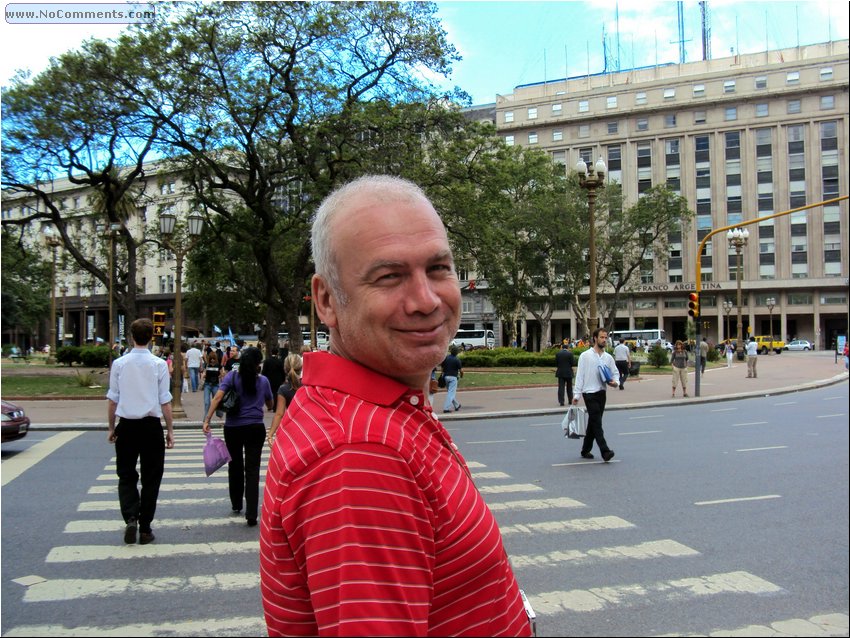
(16, 424)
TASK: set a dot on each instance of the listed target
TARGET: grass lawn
(37, 386)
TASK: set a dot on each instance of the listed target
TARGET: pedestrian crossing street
(181, 584)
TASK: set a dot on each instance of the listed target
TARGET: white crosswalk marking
(576, 525)
(642, 551)
(78, 553)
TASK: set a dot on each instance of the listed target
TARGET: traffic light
(693, 304)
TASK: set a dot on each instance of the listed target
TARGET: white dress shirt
(587, 377)
(139, 384)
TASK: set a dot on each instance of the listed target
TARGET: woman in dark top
(286, 392)
(210, 378)
(245, 431)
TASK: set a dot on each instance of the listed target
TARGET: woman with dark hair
(244, 430)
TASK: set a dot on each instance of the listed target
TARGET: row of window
(792, 78)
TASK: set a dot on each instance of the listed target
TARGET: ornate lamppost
(771, 304)
(64, 291)
(738, 239)
(591, 178)
(53, 242)
(110, 233)
(727, 308)
(180, 244)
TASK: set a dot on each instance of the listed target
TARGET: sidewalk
(777, 374)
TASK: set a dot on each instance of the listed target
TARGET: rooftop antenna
(706, 30)
(680, 10)
(617, 14)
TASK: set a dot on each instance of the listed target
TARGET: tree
(25, 286)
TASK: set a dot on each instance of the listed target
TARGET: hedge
(512, 358)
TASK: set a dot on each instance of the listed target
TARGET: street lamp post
(591, 178)
(771, 304)
(64, 291)
(110, 232)
(180, 245)
(727, 308)
(53, 242)
(738, 239)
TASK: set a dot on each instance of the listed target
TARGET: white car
(799, 344)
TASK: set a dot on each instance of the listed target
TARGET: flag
(216, 329)
(232, 340)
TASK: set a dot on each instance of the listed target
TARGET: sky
(508, 43)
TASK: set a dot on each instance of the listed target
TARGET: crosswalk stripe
(821, 625)
(79, 588)
(600, 598)
(535, 504)
(490, 475)
(172, 487)
(112, 505)
(244, 626)
(77, 553)
(503, 489)
(641, 551)
(575, 525)
(96, 525)
(167, 475)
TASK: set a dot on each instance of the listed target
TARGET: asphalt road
(713, 517)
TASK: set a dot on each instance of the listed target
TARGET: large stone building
(741, 138)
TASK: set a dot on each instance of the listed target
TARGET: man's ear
(326, 303)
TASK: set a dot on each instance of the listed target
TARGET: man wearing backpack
(596, 370)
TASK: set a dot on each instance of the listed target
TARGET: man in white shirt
(590, 385)
(623, 359)
(193, 362)
(752, 358)
(139, 395)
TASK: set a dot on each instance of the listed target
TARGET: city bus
(647, 337)
(474, 339)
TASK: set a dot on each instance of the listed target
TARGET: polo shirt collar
(325, 369)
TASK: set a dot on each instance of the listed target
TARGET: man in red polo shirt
(371, 524)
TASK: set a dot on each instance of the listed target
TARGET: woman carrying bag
(244, 430)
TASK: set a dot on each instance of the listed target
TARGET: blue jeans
(451, 390)
(209, 392)
(193, 378)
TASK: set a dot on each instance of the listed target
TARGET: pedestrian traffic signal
(693, 304)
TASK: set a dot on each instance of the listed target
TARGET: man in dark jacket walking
(564, 362)
(273, 371)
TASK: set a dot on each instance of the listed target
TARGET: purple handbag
(215, 454)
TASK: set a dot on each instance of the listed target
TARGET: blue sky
(508, 43)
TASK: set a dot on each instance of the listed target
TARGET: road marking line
(588, 462)
(490, 475)
(786, 403)
(169, 487)
(107, 506)
(15, 466)
(79, 588)
(830, 416)
(822, 625)
(600, 598)
(574, 525)
(543, 425)
(737, 425)
(79, 553)
(723, 410)
(167, 475)
(246, 626)
(833, 399)
(98, 525)
(651, 416)
(507, 489)
(738, 500)
(758, 449)
(474, 464)
(503, 441)
(644, 432)
(641, 551)
(535, 504)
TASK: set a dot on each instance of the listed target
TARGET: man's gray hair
(377, 189)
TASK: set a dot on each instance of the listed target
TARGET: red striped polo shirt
(371, 523)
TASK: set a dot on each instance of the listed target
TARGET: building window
(532, 138)
(762, 110)
(729, 86)
(556, 109)
(583, 106)
(586, 155)
(532, 113)
(642, 124)
(761, 82)
(640, 97)
(699, 90)
(559, 157)
(509, 140)
(794, 106)
(669, 121)
(584, 130)
(699, 117)
(827, 102)
(611, 102)
(669, 94)
(557, 135)
(468, 307)
(613, 128)
(792, 77)
(826, 73)
(509, 117)
(731, 113)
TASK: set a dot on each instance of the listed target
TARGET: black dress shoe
(586, 455)
(146, 538)
(607, 456)
(130, 532)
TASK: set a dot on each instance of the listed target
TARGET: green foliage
(96, 356)
(713, 354)
(25, 285)
(69, 355)
(512, 358)
(658, 356)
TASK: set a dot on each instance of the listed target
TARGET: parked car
(799, 344)
(16, 424)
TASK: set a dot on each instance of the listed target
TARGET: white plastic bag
(575, 422)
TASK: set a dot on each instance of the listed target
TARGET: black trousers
(243, 472)
(142, 441)
(623, 369)
(595, 404)
(562, 382)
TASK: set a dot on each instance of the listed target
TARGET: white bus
(322, 340)
(474, 339)
(646, 337)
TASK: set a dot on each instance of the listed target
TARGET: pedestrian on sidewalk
(140, 396)
(679, 363)
(564, 362)
(752, 358)
(591, 386)
(703, 355)
(194, 358)
(286, 391)
(372, 525)
(211, 378)
(730, 353)
(452, 369)
(623, 359)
